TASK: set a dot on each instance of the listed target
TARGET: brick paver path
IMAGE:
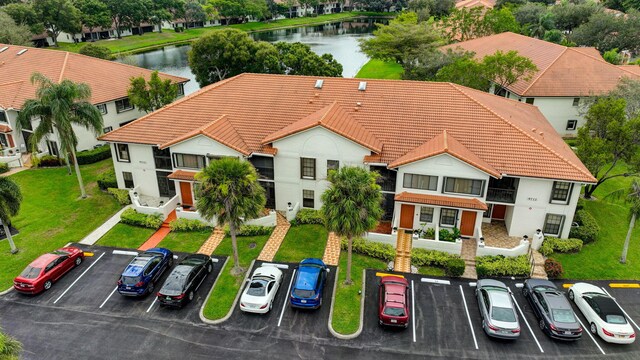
(275, 240)
(469, 247)
(332, 250)
(212, 242)
(402, 262)
(538, 270)
(159, 235)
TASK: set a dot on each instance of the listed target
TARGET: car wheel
(78, 261)
(47, 285)
(380, 322)
(209, 268)
(406, 326)
(190, 296)
(171, 262)
(525, 292)
(571, 296)
(593, 328)
(541, 324)
(271, 305)
(150, 288)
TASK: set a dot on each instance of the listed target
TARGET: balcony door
(166, 188)
(498, 211)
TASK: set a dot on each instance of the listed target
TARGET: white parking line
(279, 266)
(108, 297)
(81, 275)
(585, 330)
(466, 309)
(153, 303)
(123, 252)
(624, 312)
(284, 306)
(526, 322)
(413, 310)
(436, 281)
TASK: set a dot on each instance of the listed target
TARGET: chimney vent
(4, 48)
(319, 84)
(362, 86)
(22, 51)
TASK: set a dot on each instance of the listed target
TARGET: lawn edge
(333, 301)
(6, 291)
(235, 301)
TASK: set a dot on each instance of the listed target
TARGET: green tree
(497, 21)
(629, 90)
(60, 106)
(10, 199)
(607, 138)
(467, 72)
(539, 28)
(24, 14)
(164, 10)
(153, 94)
(9, 347)
(632, 198)
(428, 63)
(11, 33)
(93, 14)
(351, 205)
(569, 16)
(193, 11)
(127, 13)
(465, 24)
(554, 36)
(612, 56)
(298, 59)
(601, 31)
(505, 69)
(631, 4)
(230, 192)
(529, 13)
(58, 16)
(96, 51)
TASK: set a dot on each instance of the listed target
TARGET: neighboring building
(565, 76)
(97, 33)
(448, 155)
(108, 80)
(488, 4)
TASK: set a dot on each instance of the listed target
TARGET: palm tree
(230, 192)
(351, 205)
(59, 106)
(631, 197)
(10, 198)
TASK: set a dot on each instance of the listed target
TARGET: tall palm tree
(59, 106)
(230, 192)
(10, 198)
(351, 205)
(631, 197)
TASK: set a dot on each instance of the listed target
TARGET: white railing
(164, 210)
(292, 211)
(267, 220)
(446, 246)
(194, 215)
(381, 238)
(10, 151)
(520, 249)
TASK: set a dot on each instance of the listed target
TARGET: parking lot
(91, 287)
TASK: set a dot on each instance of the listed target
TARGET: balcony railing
(502, 195)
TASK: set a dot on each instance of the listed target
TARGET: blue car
(140, 276)
(306, 292)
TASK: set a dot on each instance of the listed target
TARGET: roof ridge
(446, 146)
(12, 82)
(226, 117)
(64, 65)
(545, 70)
(331, 107)
(603, 61)
(520, 130)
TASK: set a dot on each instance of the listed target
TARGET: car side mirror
(327, 270)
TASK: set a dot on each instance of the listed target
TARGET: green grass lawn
(52, 214)
(188, 242)
(431, 271)
(227, 286)
(126, 236)
(346, 309)
(302, 241)
(378, 69)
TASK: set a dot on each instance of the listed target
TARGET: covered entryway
(498, 211)
(468, 223)
(185, 193)
(406, 216)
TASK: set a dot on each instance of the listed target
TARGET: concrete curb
(235, 301)
(6, 291)
(333, 300)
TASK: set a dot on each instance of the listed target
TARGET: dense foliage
(553, 268)
(182, 224)
(551, 245)
(587, 229)
(96, 51)
(490, 266)
(251, 230)
(121, 195)
(132, 217)
(107, 180)
(94, 155)
(308, 216)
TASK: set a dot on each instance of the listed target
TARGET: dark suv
(140, 276)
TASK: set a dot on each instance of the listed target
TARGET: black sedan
(555, 315)
(184, 280)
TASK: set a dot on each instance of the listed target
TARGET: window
(530, 100)
(162, 158)
(332, 165)
(125, 123)
(576, 101)
(180, 89)
(107, 129)
(3, 141)
(464, 186)
(426, 214)
(572, 124)
(122, 152)
(264, 165)
(448, 217)
(3, 116)
(102, 108)
(52, 146)
(196, 190)
(387, 178)
(423, 182)
(561, 191)
(189, 161)
(308, 168)
(128, 179)
(553, 224)
(123, 105)
(487, 214)
(308, 199)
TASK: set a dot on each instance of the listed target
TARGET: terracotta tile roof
(5, 129)
(562, 71)
(182, 175)
(220, 130)
(631, 68)
(402, 115)
(489, 4)
(108, 80)
(373, 159)
(440, 200)
(445, 144)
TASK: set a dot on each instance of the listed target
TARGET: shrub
(588, 229)
(488, 266)
(455, 267)
(553, 268)
(4, 168)
(181, 224)
(251, 230)
(451, 236)
(93, 155)
(107, 180)
(424, 257)
(429, 233)
(308, 216)
(132, 217)
(372, 249)
(551, 245)
(51, 161)
(122, 195)
(96, 51)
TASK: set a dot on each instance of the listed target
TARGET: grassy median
(185, 241)
(301, 242)
(126, 236)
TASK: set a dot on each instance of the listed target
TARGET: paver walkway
(212, 242)
(538, 270)
(159, 235)
(402, 261)
(96, 234)
(275, 240)
(332, 250)
(469, 247)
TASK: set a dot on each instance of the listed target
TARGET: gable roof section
(108, 80)
(631, 68)
(220, 130)
(335, 118)
(445, 144)
(562, 71)
(441, 200)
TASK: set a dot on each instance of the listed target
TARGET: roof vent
(362, 86)
(534, 130)
(319, 84)
(4, 48)
(358, 104)
(22, 51)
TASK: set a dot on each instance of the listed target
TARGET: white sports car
(603, 314)
(259, 294)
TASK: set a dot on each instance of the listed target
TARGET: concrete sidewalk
(96, 234)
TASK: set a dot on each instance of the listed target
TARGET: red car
(47, 269)
(393, 309)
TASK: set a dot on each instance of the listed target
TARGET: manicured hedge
(424, 257)
(94, 155)
(50, 161)
(553, 268)
(251, 230)
(132, 217)
(588, 229)
(188, 225)
(551, 245)
(455, 267)
(107, 180)
(4, 168)
(122, 195)
(308, 216)
(488, 266)
(373, 249)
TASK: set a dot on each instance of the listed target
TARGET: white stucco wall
(202, 145)
(142, 166)
(557, 110)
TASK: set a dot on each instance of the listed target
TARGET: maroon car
(393, 309)
(47, 269)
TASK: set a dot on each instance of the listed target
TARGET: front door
(498, 211)
(406, 216)
(185, 193)
(468, 223)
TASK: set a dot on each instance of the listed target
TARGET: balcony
(502, 195)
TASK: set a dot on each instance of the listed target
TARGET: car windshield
(616, 319)
(393, 311)
(60, 252)
(258, 287)
(503, 314)
(31, 272)
(563, 315)
(303, 293)
(130, 280)
(175, 281)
